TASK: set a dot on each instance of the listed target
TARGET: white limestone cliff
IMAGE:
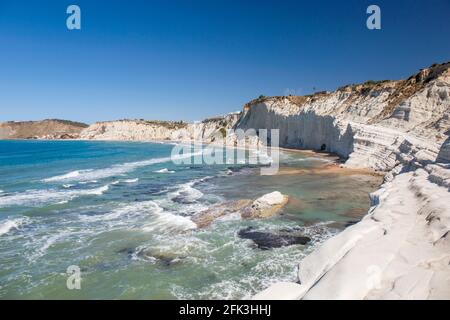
(207, 130)
(374, 125)
(401, 248)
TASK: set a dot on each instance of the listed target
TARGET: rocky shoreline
(401, 248)
(399, 128)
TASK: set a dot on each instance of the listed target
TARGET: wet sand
(331, 168)
(334, 166)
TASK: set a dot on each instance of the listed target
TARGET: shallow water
(121, 212)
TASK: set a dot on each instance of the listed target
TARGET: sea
(112, 220)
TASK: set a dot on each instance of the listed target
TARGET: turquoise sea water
(120, 211)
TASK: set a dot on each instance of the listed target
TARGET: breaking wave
(165, 220)
(39, 197)
(165, 170)
(186, 193)
(120, 169)
(8, 225)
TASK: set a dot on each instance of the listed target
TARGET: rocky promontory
(50, 129)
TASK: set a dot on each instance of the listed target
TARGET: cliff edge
(401, 248)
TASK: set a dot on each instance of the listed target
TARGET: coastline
(400, 249)
(335, 165)
(332, 264)
(381, 245)
(402, 238)
(324, 268)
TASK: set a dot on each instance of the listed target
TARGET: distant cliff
(45, 129)
(206, 130)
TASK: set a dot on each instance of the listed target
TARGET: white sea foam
(260, 157)
(186, 193)
(87, 182)
(68, 176)
(39, 197)
(185, 200)
(165, 170)
(158, 219)
(125, 181)
(120, 169)
(277, 264)
(125, 211)
(164, 220)
(161, 215)
(8, 225)
(46, 242)
(316, 159)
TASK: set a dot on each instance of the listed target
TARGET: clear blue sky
(192, 59)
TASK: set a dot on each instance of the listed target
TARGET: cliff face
(45, 129)
(401, 248)
(375, 125)
(207, 130)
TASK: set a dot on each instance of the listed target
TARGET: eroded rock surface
(265, 206)
(205, 218)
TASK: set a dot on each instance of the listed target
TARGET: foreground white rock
(265, 206)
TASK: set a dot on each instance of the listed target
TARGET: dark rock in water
(128, 251)
(183, 199)
(266, 240)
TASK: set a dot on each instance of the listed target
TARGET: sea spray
(13, 224)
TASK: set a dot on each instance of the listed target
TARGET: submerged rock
(128, 251)
(163, 257)
(265, 206)
(205, 218)
(266, 240)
